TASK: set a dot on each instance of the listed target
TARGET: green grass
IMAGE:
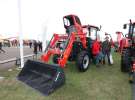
(104, 83)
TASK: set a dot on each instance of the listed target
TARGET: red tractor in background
(117, 43)
(122, 41)
(128, 52)
(75, 45)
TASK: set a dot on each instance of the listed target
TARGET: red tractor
(122, 41)
(128, 52)
(117, 43)
(75, 45)
(72, 46)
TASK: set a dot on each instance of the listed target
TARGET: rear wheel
(132, 77)
(83, 61)
(125, 61)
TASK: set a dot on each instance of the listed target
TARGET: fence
(17, 59)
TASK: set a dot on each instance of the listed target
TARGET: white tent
(2, 38)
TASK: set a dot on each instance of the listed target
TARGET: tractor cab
(90, 31)
(72, 24)
(130, 30)
(91, 35)
(130, 37)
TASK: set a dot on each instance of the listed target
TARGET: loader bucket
(42, 77)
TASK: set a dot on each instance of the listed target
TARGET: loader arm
(62, 62)
(64, 54)
(51, 48)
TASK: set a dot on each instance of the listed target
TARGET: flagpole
(20, 33)
(44, 35)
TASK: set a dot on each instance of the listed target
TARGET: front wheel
(83, 61)
(55, 58)
(132, 78)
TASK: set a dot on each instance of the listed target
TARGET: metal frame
(16, 58)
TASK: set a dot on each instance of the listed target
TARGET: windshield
(126, 31)
(92, 32)
(68, 21)
(134, 30)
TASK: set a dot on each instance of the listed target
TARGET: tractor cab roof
(70, 20)
(118, 32)
(89, 26)
(71, 15)
(133, 23)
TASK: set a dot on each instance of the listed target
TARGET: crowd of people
(36, 45)
(14, 43)
(101, 50)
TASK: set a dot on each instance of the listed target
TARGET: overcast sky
(45, 16)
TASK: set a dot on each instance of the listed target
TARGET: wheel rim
(85, 61)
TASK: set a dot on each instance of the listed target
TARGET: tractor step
(42, 77)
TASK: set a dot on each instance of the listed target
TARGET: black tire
(55, 58)
(125, 61)
(132, 78)
(82, 61)
(77, 47)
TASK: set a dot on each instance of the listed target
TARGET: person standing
(40, 46)
(1, 48)
(35, 47)
(106, 49)
(30, 44)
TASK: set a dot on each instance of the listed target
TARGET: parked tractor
(72, 46)
(75, 45)
(128, 52)
(121, 41)
(117, 43)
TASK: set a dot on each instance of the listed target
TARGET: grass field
(104, 83)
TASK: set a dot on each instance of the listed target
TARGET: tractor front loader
(72, 46)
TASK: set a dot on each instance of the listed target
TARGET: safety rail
(16, 59)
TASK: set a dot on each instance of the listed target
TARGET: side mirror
(126, 35)
(100, 27)
(124, 26)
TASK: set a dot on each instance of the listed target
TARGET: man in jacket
(106, 49)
